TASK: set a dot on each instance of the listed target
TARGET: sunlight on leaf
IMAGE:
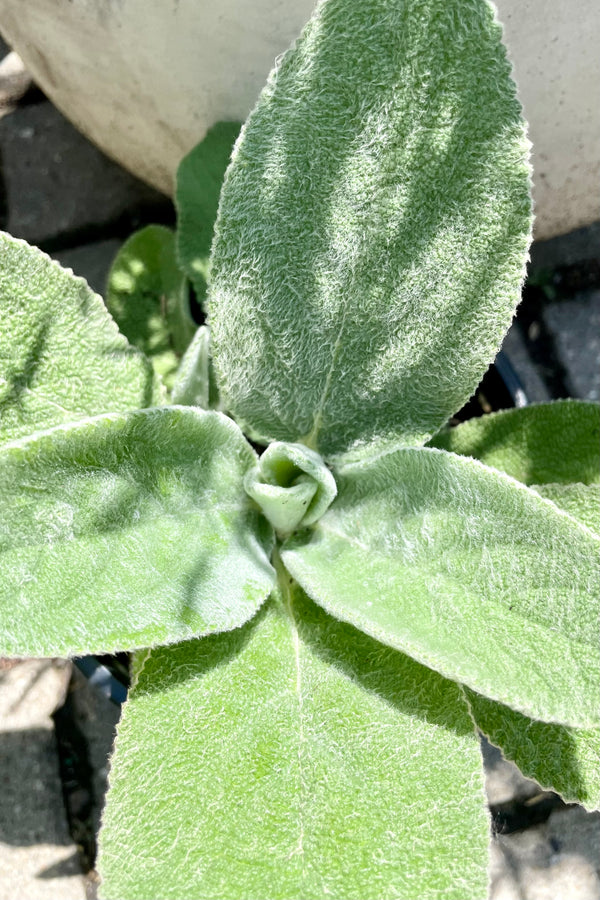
(61, 355)
(468, 571)
(540, 444)
(128, 531)
(566, 760)
(148, 296)
(295, 758)
(373, 227)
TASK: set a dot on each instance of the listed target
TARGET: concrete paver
(558, 860)
(91, 261)
(575, 324)
(57, 183)
(38, 860)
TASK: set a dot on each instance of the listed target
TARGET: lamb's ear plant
(327, 623)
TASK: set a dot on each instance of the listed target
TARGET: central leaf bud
(292, 485)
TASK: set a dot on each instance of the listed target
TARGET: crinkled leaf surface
(557, 443)
(468, 571)
(582, 501)
(545, 443)
(199, 181)
(61, 355)
(562, 759)
(195, 383)
(127, 531)
(373, 226)
(552, 441)
(293, 758)
(148, 295)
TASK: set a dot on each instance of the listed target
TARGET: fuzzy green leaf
(550, 442)
(61, 355)
(295, 758)
(127, 531)
(148, 295)
(373, 227)
(566, 760)
(199, 180)
(557, 443)
(468, 571)
(195, 383)
(582, 501)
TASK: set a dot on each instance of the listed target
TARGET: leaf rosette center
(292, 485)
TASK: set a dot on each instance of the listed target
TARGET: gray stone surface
(57, 183)
(38, 860)
(503, 780)
(559, 860)
(575, 325)
(534, 386)
(97, 717)
(91, 261)
(568, 249)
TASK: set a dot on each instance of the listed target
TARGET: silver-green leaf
(553, 443)
(194, 383)
(562, 759)
(468, 571)
(292, 485)
(545, 443)
(294, 758)
(61, 355)
(582, 501)
(199, 180)
(128, 531)
(373, 227)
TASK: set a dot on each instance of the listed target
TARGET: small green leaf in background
(373, 227)
(546, 443)
(468, 571)
(61, 355)
(560, 759)
(128, 531)
(199, 180)
(148, 296)
(294, 758)
(195, 383)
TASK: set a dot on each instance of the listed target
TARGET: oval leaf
(373, 227)
(469, 572)
(294, 758)
(61, 356)
(566, 760)
(582, 501)
(148, 295)
(199, 181)
(546, 443)
(127, 531)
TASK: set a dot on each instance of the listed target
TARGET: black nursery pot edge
(107, 674)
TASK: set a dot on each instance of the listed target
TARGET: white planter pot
(145, 80)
